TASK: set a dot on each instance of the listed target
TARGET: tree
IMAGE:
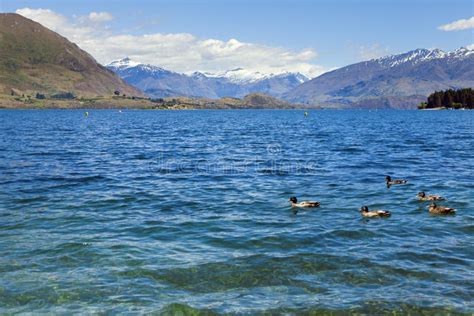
(461, 98)
(448, 99)
(437, 99)
(63, 95)
(422, 105)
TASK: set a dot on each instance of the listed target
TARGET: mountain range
(396, 81)
(34, 59)
(159, 83)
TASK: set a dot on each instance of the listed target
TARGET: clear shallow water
(167, 211)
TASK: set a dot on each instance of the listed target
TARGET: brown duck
(423, 197)
(440, 209)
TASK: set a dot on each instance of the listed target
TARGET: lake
(187, 211)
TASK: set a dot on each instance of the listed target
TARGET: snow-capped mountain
(413, 57)
(422, 55)
(460, 53)
(237, 75)
(245, 76)
(159, 82)
(127, 68)
(123, 63)
(400, 80)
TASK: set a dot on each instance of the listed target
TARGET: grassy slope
(253, 101)
(35, 59)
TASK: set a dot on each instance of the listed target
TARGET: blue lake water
(187, 211)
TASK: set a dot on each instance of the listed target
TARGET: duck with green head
(364, 211)
(294, 203)
(423, 197)
(389, 181)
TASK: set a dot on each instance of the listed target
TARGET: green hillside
(34, 59)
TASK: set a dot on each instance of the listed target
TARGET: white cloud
(181, 52)
(44, 16)
(79, 31)
(471, 47)
(100, 16)
(372, 52)
(458, 25)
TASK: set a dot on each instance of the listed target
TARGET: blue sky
(293, 35)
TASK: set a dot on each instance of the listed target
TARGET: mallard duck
(364, 211)
(423, 197)
(440, 209)
(294, 203)
(390, 182)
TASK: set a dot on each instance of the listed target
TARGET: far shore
(443, 108)
(178, 103)
(12, 102)
(435, 109)
(135, 103)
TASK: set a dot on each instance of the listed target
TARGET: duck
(440, 209)
(364, 211)
(390, 182)
(294, 203)
(423, 197)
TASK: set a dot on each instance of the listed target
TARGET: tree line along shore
(450, 99)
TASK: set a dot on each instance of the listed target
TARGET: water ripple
(186, 212)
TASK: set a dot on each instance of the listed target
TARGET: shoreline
(120, 103)
(181, 103)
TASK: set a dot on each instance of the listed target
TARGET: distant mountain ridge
(396, 81)
(243, 76)
(422, 55)
(158, 82)
(34, 59)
